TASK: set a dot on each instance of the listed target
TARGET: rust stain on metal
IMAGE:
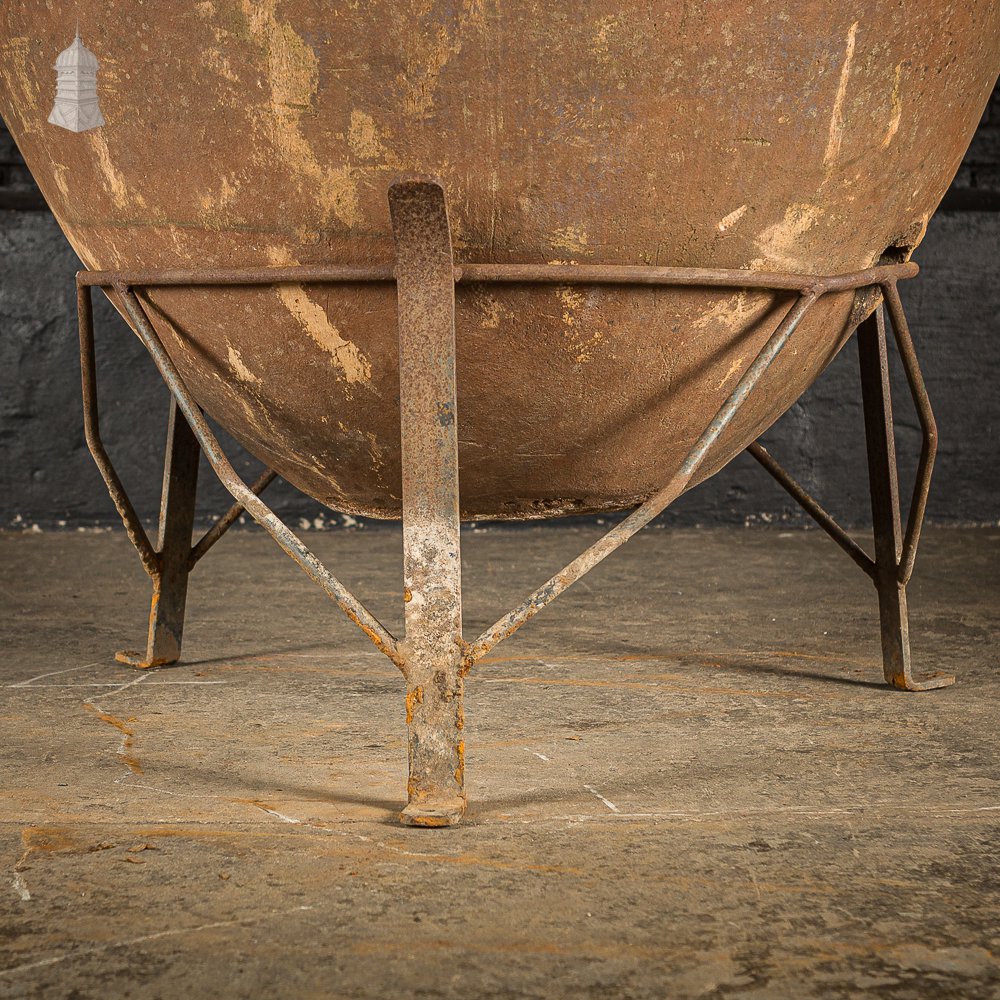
(413, 697)
(425, 288)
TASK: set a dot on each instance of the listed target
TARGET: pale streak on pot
(837, 117)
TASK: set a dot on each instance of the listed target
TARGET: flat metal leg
(170, 581)
(433, 647)
(884, 485)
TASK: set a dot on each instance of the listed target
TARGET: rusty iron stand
(434, 656)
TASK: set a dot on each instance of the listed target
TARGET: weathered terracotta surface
(786, 136)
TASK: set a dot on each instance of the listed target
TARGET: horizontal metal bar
(221, 526)
(812, 507)
(254, 506)
(210, 277)
(468, 274)
(623, 274)
(645, 513)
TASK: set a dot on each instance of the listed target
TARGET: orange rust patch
(111, 720)
(54, 840)
(154, 604)
(120, 724)
(49, 839)
(431, 822)
(132, 764)
(413, 698)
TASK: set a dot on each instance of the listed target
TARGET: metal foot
(433, 815)
(891, 568)
(170, 581)
(433, 647)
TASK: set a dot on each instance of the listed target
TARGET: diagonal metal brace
(245, 496)
(813, 508)
(642, 515)
(213, 534)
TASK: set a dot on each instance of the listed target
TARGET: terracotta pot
(815, 137)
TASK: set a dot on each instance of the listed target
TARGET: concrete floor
(685, 778)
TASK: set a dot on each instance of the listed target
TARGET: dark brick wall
(17, 189)
(977, 184)
(47, 477)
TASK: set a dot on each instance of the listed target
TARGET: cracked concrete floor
(685, 779)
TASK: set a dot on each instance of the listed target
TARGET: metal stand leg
(433, 647)
(884, 485)
(177, 503)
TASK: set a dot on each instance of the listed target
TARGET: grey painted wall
(48, 478)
